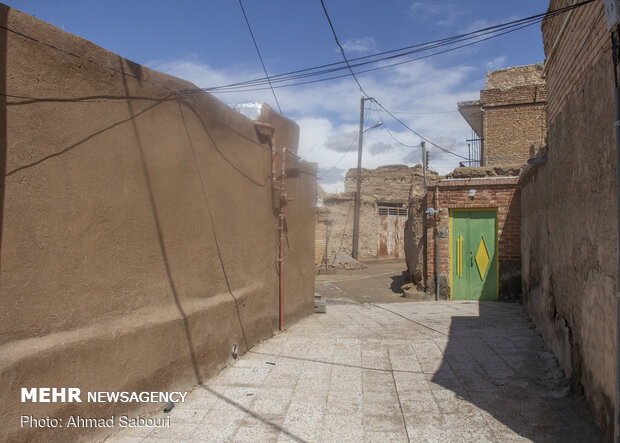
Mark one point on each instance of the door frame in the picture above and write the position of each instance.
(495, 209)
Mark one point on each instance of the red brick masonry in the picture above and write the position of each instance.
(502, 193)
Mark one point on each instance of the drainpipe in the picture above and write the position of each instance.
(282, 221)
(281, 215)
(437, 242)
(274, 138)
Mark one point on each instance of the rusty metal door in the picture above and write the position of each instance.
(392, 232)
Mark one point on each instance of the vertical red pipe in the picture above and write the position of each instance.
(282, 218)
(281, 215)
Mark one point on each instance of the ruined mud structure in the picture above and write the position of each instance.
(385, 232)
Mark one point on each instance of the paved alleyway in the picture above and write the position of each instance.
(379, 371)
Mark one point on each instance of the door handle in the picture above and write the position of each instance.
(471, 256)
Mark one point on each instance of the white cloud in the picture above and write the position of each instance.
(497, 63)
(341, 141)
(328, 113)
(360, 45)
(440, 13)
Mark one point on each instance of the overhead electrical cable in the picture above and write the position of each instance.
(283, 78)
(493, 31)
(342, 49)
(265, 80)
(260, 56)
(375, 100)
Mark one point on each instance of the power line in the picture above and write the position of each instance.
(342, 49)
(423, 113)
(375, 58)
(390, 132)
(448, 40)
(249, 88)
(260, 56)
(374, 100)
(420, 135)
(64, 51)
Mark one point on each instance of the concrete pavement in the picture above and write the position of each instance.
(377, 371)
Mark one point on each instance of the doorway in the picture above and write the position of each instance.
(473, 254)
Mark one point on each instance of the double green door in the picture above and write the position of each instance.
(473, 254)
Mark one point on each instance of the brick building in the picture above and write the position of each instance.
(477, 230)
(509, 118)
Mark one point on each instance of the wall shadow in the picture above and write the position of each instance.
(4, 11)
(510, 266)
(498, 363)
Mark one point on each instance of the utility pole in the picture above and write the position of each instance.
(424, 162)
(356, 213)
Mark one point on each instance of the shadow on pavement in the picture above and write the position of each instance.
(498, 363)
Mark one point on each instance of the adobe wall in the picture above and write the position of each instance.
(390, 183)
(501, 193)
(569, 208)
(341, 209)
(138, 228)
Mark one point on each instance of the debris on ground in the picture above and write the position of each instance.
(345, 261)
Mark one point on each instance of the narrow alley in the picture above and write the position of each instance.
(377, 367)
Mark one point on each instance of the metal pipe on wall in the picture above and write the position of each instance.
(437, 242)
(281, 215)
(282, 221)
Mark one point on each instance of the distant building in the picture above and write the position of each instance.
(385, 194)
(509, 118)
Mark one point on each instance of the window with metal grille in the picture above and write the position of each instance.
(383, 211)
(402, 212)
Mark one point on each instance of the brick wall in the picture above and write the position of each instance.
(515, 76)
(513, 108)
(569, 208)
(500, 193)
(571, 54)
(514, 119)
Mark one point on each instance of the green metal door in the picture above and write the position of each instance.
(473, 254)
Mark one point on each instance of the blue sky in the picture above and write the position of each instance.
(208, 43)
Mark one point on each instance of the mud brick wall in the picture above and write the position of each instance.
(321, 231)
(341, 209)
(500, 193)
(393, 184)
(387, 183)
(139, 233)
(569, 208)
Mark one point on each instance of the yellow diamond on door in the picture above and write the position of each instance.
(482, 258)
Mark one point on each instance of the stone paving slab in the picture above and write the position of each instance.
(423, 371)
